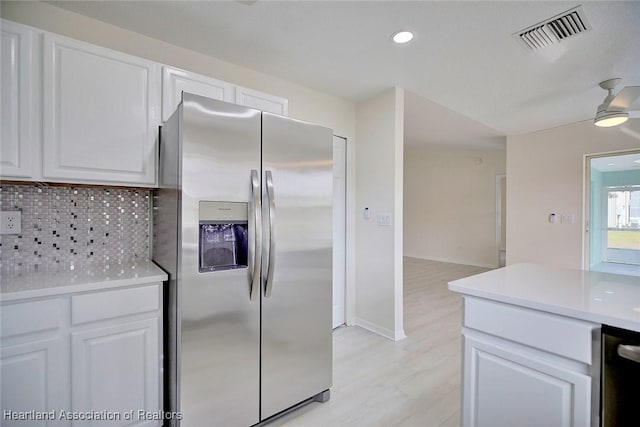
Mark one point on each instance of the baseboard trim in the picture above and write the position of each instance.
(452, 261)
(377, 329)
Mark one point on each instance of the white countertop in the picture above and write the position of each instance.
(604, 298)
(19, 286)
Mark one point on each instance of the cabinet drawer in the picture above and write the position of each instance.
(555, 334)
(34, 316)
(122, 302)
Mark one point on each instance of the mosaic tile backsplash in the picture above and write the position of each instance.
(68, 227)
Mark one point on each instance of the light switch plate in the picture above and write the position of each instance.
(384, 219)
(10, 222)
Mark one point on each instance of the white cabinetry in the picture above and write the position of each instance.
(508, 386)
(100, 114)
(85, 352)
(78, 113)
(176, 81)
(33, 356)
(262, 101)
(527, 368)
(19, 146)
(115, 351)
(112, 370)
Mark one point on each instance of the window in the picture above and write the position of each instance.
(623, 219)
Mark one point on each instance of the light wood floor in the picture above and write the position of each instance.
(413, 382)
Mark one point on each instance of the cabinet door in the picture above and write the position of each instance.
(512, 388)
(34, 360)
(117, 369)
(176, 81)
(33, 379)
(101, 114)
(262, 101)
(19, 146)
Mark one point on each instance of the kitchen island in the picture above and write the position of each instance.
(531, 342)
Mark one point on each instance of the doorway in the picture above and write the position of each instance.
(612, 235)
(501, 219)
(339, 229)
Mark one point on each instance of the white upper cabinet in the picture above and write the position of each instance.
(176, 81)
(101, 112)
(74, 112)
(262, 101)
(19, 146)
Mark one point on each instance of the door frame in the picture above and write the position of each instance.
(586, 205)
(344, 248)
(499, 214)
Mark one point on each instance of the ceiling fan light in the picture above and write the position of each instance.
(607, 119)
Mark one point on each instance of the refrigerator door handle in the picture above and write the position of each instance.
(255, 236)
(272, 241)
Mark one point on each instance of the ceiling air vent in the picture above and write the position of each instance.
(554, 30)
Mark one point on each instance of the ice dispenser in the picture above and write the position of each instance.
(223, 236)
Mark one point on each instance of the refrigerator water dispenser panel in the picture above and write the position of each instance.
(223, 240)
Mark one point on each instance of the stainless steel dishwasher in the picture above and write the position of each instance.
(620, 377)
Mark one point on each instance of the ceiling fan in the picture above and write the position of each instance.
(614, 110)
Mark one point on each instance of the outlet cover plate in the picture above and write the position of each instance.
(10, 222)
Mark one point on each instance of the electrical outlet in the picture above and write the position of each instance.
(10, 222)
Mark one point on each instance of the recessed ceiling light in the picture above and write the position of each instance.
(611, 164)
(402, 37)
(636, 161)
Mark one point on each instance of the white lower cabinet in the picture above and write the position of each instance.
(524, 368)
(33, 379)
(34, 368)
(112, 370)
(82, 356)
(508, 387)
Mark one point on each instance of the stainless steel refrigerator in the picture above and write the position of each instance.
(243, 226)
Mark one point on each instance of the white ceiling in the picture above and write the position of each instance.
(622, 162)
(463, 57)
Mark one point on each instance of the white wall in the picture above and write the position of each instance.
(379, 187)
(450, 204)
(304, 103)
(545, 172)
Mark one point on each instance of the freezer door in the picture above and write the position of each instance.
(297, 257)
(220, 323)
